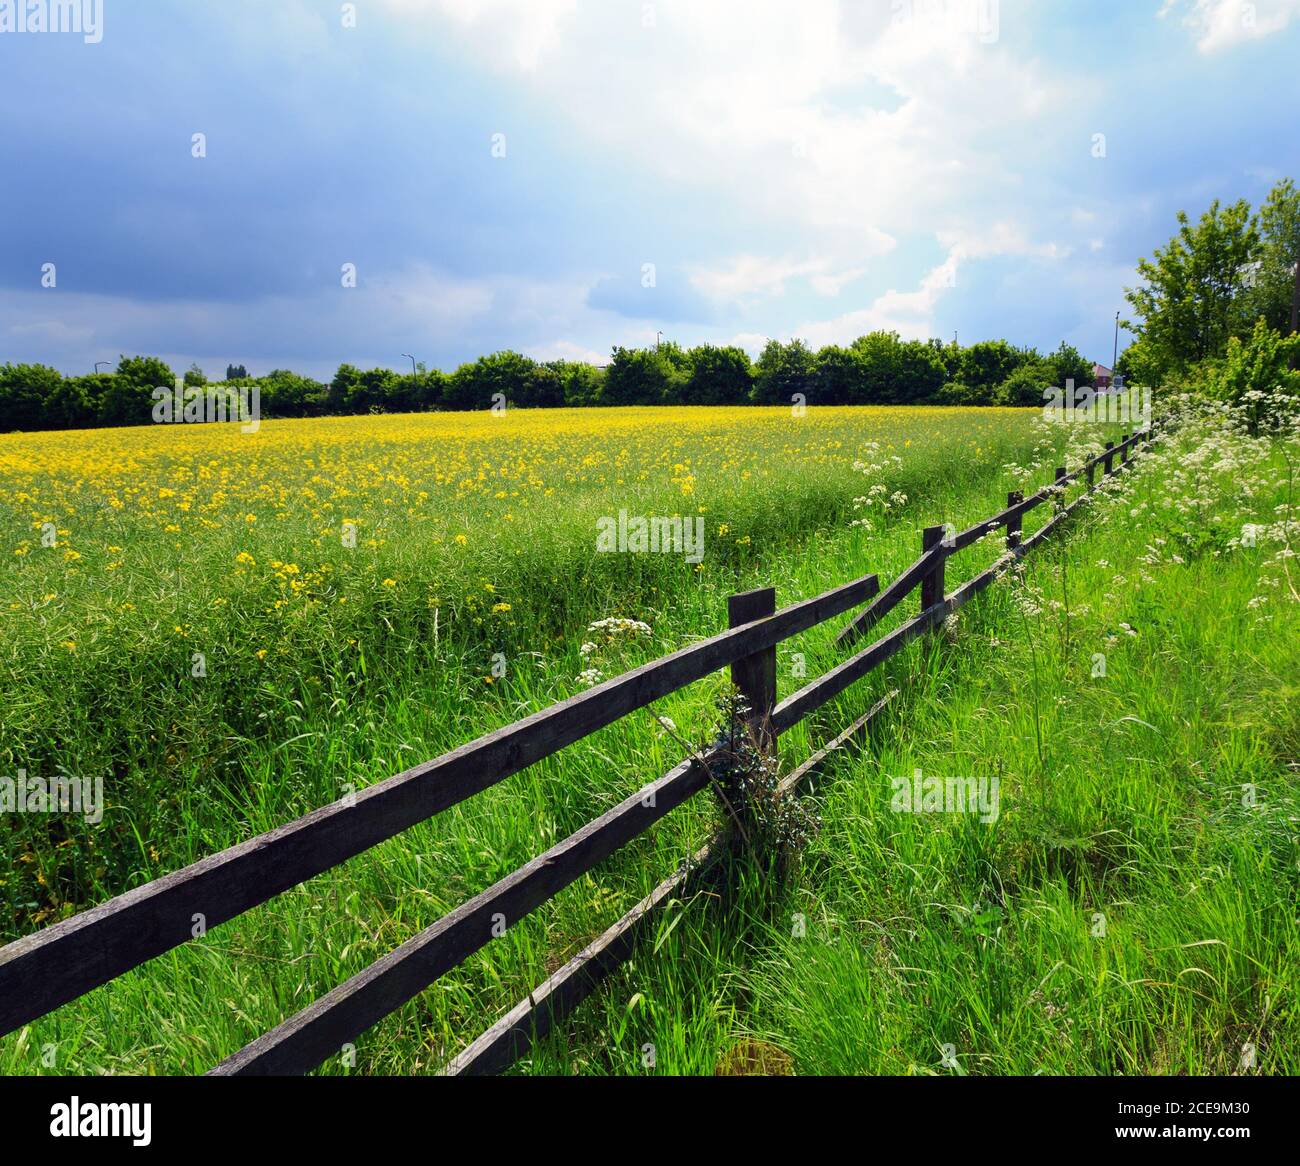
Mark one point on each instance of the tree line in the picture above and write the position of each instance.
(1217, 311)
(877, 369)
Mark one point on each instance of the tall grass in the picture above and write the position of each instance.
(1131, 911)
(915, 932)
(360, 679)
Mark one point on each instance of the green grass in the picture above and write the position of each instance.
(921, 931)
(1127, 914)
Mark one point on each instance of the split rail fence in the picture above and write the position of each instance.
(51, 967)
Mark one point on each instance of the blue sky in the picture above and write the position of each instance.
(812, 169)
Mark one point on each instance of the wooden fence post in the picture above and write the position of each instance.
(755, 676)
(1123, 457)
(1092, 474)
(932, 584)
(1109, 460)
(1060, 498)
(1014, 525)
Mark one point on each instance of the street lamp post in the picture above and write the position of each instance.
(99, 362)
(414, 371)
(1114, 360)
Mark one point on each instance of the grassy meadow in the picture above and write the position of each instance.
(1136, 690)
(233, 629)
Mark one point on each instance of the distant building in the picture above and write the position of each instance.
(1101, 377)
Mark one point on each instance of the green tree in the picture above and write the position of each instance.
(420, 391)
(839, 378)
(582, 384)
(1192, 296)
(893, 371)
(880, 360)
(921, 372)
(502, 376)
(987, 364)
(372, 391)
(1067, 364)
(75, 402)
(286, 394)
(1028, 385)
(1138, 365)
(1273, 289)
(343, 388)
(646, 376)
(24, 391)
(539, 386)
(783, 371)
(950, 355)
(718, 376)
(129, 400)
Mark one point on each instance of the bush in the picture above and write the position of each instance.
(1028, 385)
(1261, 364)
(959, 393)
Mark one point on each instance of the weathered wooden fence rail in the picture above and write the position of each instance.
(49, 968)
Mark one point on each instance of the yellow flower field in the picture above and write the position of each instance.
(164, 587)
(326, 510)
(188, 480)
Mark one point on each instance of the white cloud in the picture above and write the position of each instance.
(420, 293)
(566, 350)
(751, 342)
(1219, 24)
(746, 277)
(911, 314)
(775, 109)
(511, 33)
(1000, 238)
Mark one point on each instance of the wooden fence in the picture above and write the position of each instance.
(49, 968)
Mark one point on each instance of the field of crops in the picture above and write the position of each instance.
(299, 561)
(233, 629)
